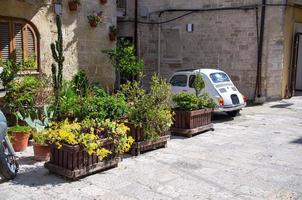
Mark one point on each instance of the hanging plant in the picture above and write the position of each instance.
(73, 5)
(112, 33)
(95, 19)
(103, 1)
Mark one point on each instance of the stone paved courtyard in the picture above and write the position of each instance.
(258, 155)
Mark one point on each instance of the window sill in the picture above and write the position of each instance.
(172, 60)
(29, 72)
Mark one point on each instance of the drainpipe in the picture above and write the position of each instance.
(159, 49)
(260, 51)
(135, 26)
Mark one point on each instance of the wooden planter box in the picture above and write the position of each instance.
(189, 123)
(74, 162)
(141, 145)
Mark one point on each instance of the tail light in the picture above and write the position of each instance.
(220, 101)
(244, 98)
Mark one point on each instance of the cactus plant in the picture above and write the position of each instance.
(57, 69)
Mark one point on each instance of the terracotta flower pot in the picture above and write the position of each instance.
(93, 23)
(20, 141)
(112, 36)
(73, 6)
(103, 1)
(41, 152)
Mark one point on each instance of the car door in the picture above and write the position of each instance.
(179, 83)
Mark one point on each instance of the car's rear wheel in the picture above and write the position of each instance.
(233, 113)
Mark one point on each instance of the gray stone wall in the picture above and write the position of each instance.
(221, 39)
(82, 44)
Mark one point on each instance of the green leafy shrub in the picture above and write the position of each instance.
(96, 104)
(18, 128)
(151, 111)
(80, 82)
(187, 101)
(29, 63)
(10, 70)
(123, 58)
(21, 95)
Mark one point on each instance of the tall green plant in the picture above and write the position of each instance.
(80, 81)
(198, 84)
(57, 69)
(150, 111)
(123, 58)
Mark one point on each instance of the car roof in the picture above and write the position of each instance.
(206, 71)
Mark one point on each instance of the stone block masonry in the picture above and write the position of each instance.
(221, 39)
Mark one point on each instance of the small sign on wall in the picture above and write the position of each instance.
(58, 8)
(190, 28)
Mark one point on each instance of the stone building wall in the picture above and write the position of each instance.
(221, 39)
(83, 45)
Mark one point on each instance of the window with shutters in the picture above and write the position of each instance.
(18, 42)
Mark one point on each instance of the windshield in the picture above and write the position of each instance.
(219, 77)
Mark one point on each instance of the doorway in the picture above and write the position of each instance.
(298, 74)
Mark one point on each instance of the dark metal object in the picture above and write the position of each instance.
(135, 26)
(260, 50)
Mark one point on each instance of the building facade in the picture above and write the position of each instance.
(27, 28)
(225, 34)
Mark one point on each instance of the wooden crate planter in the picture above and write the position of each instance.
(189, 123)
(141, 145)
(74, 162)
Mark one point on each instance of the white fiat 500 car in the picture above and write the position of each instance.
(217, 84)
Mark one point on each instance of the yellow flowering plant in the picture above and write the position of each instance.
(91, 134)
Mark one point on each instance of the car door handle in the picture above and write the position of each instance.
(185, 90)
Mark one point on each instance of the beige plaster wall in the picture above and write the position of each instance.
(83, 45)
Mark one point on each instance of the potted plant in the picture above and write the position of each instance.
(103, 1)
(193, 111)
(19, 136)
(40, 136)
(150, 116)
(95, 19)
(79, 149)
(73, 4)
(112, 33)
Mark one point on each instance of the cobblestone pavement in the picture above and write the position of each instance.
(257, 155)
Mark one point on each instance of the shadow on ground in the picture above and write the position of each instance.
(37, 176)
(282, 105)
(33, 174)
(297, 141)
(177, 137)
(221, 117)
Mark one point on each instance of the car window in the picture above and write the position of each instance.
(179, 80)
(219, 77)
(191, 81)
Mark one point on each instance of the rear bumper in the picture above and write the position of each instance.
(229, 108)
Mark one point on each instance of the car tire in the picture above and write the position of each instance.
(5, 170)
(233, 113)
